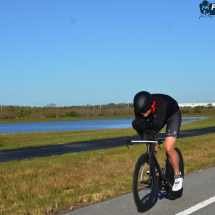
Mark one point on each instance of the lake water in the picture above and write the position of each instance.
(75, 125)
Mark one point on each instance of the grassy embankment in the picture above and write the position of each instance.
(20, 140)
(91, 118)
(40, 185)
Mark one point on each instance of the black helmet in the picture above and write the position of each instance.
(142, 101)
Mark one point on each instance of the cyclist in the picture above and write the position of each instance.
(153, 112)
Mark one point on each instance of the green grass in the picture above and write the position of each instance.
(21, 140)
(69, 181)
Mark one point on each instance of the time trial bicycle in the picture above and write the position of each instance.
(144, 184)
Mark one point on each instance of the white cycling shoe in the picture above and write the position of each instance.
(177, 183)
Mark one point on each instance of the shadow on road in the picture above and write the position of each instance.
(159, 195)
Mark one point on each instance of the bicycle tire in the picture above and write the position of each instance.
(170, 174)
(144, 191)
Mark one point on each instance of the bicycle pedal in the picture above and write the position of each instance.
(163, 171)
(145, 182)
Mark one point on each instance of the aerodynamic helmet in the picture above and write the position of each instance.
(142, 101)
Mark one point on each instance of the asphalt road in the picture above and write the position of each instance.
(59, 149)
(198, 187)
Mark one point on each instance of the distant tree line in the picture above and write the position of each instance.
(51, 111)
(198, 109)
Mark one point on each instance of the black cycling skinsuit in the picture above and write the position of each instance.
(165, 111)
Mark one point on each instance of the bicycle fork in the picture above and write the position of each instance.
(149, 150)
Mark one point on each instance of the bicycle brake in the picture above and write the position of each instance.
(127, 142)
(159, 143)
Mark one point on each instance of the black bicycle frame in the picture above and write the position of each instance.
(153, 158)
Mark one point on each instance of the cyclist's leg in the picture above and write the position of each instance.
(172, 131)
(173, 155)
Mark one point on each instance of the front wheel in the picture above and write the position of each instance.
(143, 186)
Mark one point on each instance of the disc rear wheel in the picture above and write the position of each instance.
(174, 194)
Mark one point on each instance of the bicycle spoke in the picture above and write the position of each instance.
(142, 172)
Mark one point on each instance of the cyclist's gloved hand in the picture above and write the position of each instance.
(140, 125)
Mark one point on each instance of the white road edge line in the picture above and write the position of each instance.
(197, 207)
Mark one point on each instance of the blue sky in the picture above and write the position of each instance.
(78, 52)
